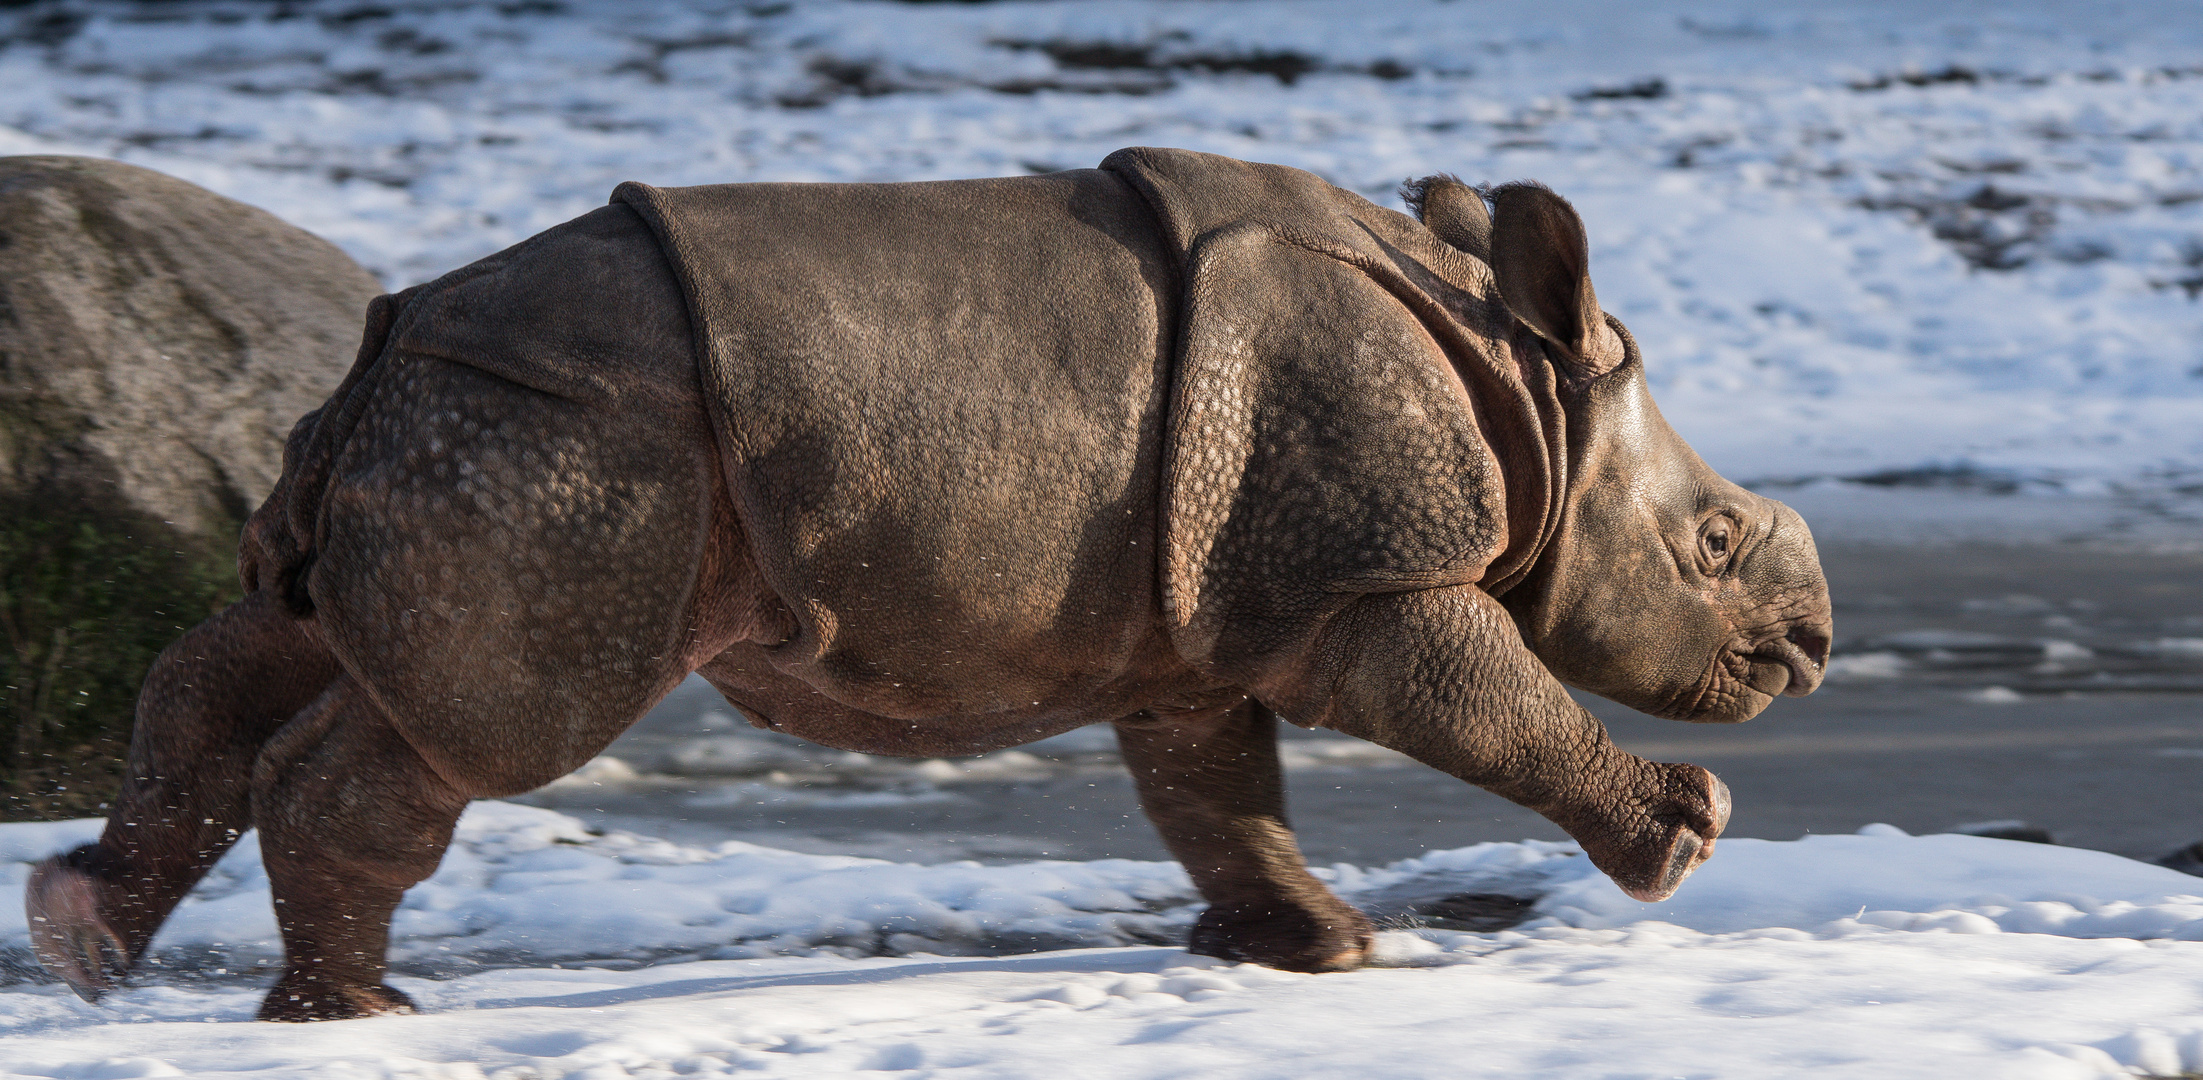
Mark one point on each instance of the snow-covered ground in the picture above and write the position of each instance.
(1877, 955)
(1956, 243)
(1936, 250)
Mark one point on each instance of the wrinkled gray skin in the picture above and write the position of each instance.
(1185, 444)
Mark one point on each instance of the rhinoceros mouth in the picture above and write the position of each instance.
(1787, 665)
(1746, 676)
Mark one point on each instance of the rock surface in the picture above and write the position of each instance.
(157, 340)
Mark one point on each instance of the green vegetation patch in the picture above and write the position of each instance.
(89, 596)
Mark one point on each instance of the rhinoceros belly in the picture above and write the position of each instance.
(939, 407)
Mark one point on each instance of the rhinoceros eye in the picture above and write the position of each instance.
(1715, 538)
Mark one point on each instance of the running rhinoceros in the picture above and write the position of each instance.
(1182, 443)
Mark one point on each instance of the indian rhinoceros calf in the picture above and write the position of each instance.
(1182, 443)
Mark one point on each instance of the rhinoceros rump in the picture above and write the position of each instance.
(1182, 443)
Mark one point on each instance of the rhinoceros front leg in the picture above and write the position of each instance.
(1443, 676)
(1209, 780)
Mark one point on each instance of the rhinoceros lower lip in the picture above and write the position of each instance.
(1781, 667)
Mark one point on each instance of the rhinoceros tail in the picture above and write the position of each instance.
(278, 543)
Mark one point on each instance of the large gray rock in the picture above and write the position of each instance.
(157, 340)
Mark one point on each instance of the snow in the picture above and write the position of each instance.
(1878, 954)
(1930, 274)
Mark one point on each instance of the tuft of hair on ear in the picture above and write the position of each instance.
(1416, 192)
(1453, 211)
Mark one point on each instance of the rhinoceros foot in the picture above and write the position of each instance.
(1305, 936)
(1651, 857)
(74, 940)
(299, 997)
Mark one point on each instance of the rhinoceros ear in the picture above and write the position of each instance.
(1453, 211)
(1543, 264)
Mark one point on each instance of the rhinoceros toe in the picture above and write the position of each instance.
(299, 998)
(74, 941)
(1289, 936)
(1650, 855)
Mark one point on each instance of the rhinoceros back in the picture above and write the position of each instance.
(940, 410)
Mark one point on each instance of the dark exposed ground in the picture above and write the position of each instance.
(2079, 751)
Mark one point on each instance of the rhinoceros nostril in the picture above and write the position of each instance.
(1812, 641)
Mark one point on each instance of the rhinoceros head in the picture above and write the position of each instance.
(1666, 587)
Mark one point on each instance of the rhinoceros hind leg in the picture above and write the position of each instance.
(1210, 781)
(350, 818)
(207, 705)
